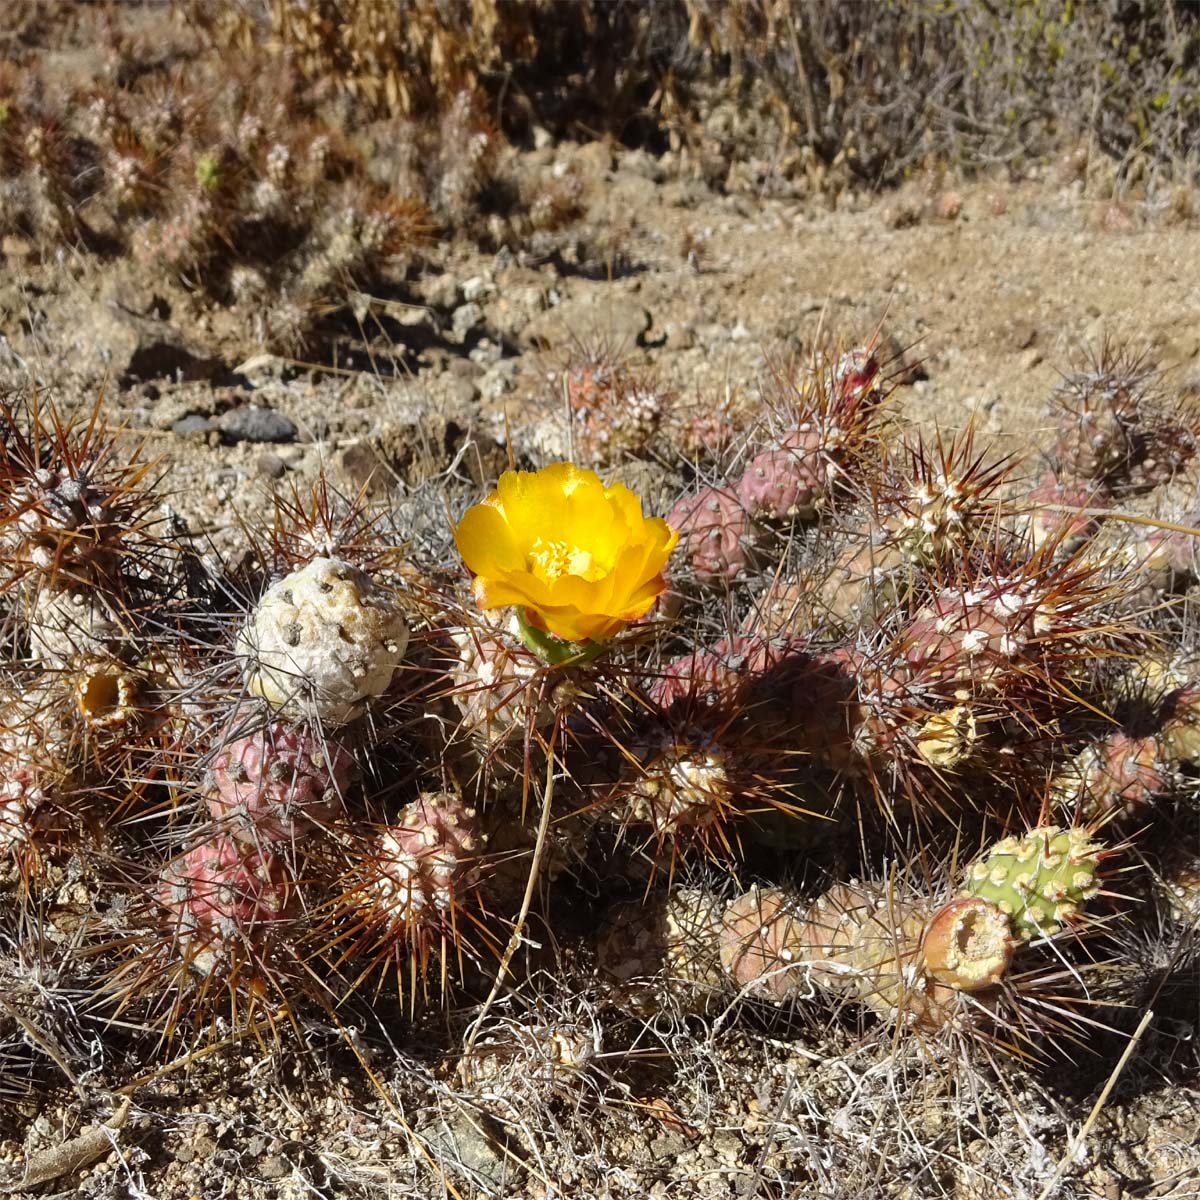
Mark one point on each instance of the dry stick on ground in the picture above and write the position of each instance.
(70, 1156)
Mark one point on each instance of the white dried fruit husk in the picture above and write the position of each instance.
(946, 738)
(323, 641)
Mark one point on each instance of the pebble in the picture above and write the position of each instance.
(273, 1167)
(192, 423)
(680, 337)
(478, 287)
(271, 466)
(466, 317)
(500, 378)
(254, 424)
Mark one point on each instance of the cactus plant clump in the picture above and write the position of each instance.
(1041, 880)
(323, 641)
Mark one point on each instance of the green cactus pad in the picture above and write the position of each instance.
(1040, 880)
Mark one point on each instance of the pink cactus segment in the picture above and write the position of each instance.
(420, 866)
(974, 635)
(786, 480)
(222, 895)
(708, 676)
(277, 783)
(1049, 523)
(1123, 773)
(715, 533)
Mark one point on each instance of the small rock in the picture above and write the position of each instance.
(638, 162)
(463, 390)
(440, 291)
(1031, 358)
(262, 366)
(593, 316)
(271, 466)
(680, 337)
(478, 287)
(476, 1146)
(137, 348)
(273, 1167)
(500, 378)
(254, 424)
(466, 317)
(193, 423)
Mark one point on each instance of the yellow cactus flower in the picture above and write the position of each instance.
(578, 559)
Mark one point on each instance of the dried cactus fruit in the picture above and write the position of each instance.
(1040, 880)
(277, 783)
(227, 901)
(107, 695)
(949, 738)
(323, 641)
(968, 944)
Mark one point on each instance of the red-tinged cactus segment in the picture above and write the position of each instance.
(994, 631)
(859, 941)
(277, 783)
(787, 480)
(408, 893)
(716, 534)
(1052, 519)
(1119, 774)
(824, 416)
(1179, 735)
(227, 902)
(763, 944)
